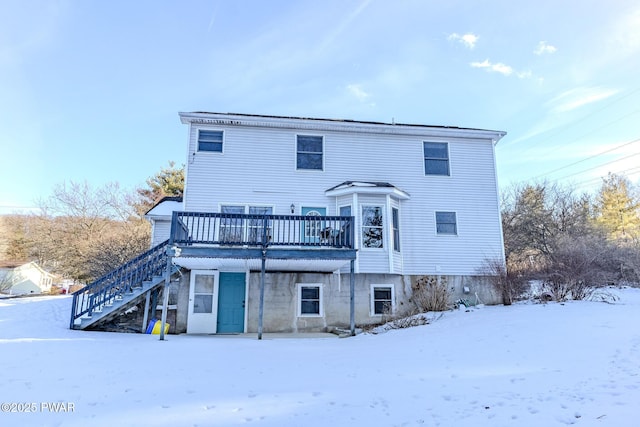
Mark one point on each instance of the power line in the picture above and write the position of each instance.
(587, 158)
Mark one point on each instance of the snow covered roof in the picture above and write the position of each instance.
(165, 207)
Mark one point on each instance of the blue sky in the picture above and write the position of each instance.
(91, 90)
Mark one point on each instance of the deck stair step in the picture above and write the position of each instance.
(119, 289)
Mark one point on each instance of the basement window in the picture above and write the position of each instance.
(382, 300)
(310, 300)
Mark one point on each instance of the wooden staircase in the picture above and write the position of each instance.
(120, 289)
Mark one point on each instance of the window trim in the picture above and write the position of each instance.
(309, 152)
(424, 158)
(382, 208)
(372, 306)
(455, 233)
(320, 298)
(198, 150)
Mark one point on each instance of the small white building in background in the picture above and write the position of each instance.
(24, 278)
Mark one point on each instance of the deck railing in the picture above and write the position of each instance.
(122, 280)
(188, 228)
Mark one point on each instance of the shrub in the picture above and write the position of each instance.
(509, 284)
(430, 293)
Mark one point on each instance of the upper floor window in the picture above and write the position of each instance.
(210, 140)
(309, 152)
(446, 223)
(436, 158)
(372, 227)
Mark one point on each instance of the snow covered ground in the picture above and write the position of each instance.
(538, 365)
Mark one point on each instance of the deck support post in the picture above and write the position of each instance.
(145, 319)
(261, 310)
(352, 303)
(165, 292)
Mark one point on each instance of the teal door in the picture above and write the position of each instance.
(311, 229)
(231, 303)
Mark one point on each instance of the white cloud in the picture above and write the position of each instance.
(357, 91)
(504, 69)
(576, 98)
(469, 39)
(544, 47)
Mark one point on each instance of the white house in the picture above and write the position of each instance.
(24, 278)
(293, 224)
(424, 201)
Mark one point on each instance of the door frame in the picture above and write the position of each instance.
(214, 302)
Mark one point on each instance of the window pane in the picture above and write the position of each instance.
(372, 216)
(310, 293)
(396, 229)
(372, 227)
(345, 210)
(436, 150)
(310, 143)
(256, 224)
(231, 229)
(204, 284)
(310, 307)
(309, 161)
(203, 303)
(382, 293)
(446, 217)
(260, 210)
(372, 237)
(210, 140)
(436, 167)
(381, 307)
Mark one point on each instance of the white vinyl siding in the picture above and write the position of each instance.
(259, 167)
(161, 231)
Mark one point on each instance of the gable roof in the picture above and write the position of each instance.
(165, 206)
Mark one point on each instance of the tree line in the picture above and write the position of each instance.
(570, 243)
(82, 232)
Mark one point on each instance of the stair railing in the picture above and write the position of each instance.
(114, 285)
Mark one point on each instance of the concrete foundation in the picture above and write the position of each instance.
(281, 302)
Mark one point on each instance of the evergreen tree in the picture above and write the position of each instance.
(617, 210)
(168, 182)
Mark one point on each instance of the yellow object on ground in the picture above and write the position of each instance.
(156, 328)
